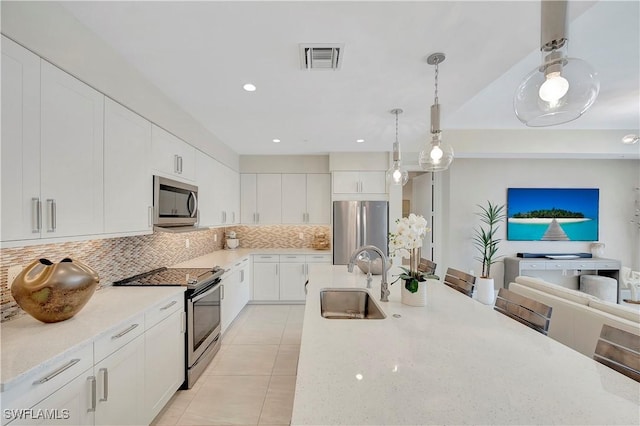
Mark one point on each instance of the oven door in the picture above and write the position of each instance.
(203, 318)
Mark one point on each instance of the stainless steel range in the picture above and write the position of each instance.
(202, 306)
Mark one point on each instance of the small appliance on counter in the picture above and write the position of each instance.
(232, 242)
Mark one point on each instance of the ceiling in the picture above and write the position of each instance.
(201, 53)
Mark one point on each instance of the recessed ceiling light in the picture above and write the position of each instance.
(276, 141)
(359, 140)
(249, 87)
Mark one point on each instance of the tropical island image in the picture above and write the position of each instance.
(536, 214)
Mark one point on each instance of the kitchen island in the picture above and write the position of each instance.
(455, 361)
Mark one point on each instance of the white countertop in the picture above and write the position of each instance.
(226, 258)
(455, 361)
(30, 346)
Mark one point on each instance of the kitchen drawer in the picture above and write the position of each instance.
(49, 377)
(117, 337)
(292, 258)
(584, 264)
(319, 258)
(266, 258)
(559, 265)
(240, 263)
(532, 266)
(163, 310)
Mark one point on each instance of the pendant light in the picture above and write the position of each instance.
(397, 175)
(561, 89)
(436, 156)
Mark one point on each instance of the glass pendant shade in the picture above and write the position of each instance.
(436, 156)
(547, 98)
(397, 175)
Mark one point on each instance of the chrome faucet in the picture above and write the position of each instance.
(384, 285)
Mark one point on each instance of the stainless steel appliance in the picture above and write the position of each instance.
(356, 224)
(202, 307)
(174, 203)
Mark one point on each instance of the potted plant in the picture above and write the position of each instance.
(406, 242)
(486, 243)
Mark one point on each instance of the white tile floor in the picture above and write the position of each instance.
(251, 381)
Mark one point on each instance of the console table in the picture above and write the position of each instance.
(514, 266)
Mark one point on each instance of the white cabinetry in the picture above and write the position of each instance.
(128, 199)
(306, 198)
(359, 182)
(261, 198)
(292, 277)
(172, 156)
(219, 192)
(236, 292)
(72, 128)
(206, 181)
(164, 355)
(20, 143)
(266, 277)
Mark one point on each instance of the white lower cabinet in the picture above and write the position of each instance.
(236, 292)
(164, 352)
(120, 385)
(283, 277)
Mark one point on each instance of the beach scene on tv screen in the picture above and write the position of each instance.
(554, 214)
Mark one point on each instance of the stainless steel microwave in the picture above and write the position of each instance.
(174, 203)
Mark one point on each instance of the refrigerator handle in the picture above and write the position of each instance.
(364, 225)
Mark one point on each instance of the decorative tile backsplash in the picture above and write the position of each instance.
(117, 258)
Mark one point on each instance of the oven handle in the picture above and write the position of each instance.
(205, 293)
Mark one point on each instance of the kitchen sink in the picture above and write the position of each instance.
(348, 303)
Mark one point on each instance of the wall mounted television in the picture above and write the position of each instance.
(552, 214)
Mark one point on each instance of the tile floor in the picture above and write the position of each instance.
(251, 381)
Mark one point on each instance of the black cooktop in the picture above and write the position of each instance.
(190, 277)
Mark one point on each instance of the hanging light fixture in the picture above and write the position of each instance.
(397, 175)
(562, 88)
(436, 156)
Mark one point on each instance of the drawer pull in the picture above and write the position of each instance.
(58, 371)
(123, 332)
(169, 305)
(105, 384)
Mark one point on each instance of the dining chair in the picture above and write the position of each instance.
(620, 350)
(426, 266)
(523, 309)
(460, 281)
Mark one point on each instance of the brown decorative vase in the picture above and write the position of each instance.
(54, 292)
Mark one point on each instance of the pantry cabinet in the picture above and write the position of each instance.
(127, 171)
(306, 198)
(261, 198)
(171, 156)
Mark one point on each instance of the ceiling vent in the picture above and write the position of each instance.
(318, 56)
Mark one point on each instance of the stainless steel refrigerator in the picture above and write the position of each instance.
(357, 224)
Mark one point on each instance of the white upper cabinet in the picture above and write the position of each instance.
(261, 198)
(71, 152)
(231, 195)
(172, 156)
(359, 182)
(208, 209)
(306, 198)
(20, 143)
(128, 180)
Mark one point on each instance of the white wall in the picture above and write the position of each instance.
(474, 181)
(47, 29)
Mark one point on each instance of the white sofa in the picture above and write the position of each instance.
(576, 317)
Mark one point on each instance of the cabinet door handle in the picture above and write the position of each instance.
(52, 214)
(180, 163)
(242, 276)
(105, 384)
(92, 399)
(258, 215)
(36, 217)
(277, 267)
(222, 292)
(56, 372)
(168, 305)
(176, 163)
(233, 217)
(125, 331)
(150, 216)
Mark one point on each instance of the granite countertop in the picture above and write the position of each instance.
(30, 346)
(455, 361)
(226, 258)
